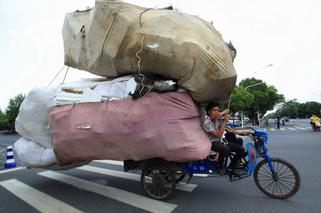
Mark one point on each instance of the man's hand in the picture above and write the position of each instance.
(224, 112)
(225, 118)
(245, 133)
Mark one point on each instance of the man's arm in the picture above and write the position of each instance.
(237, 132)
(219, 133)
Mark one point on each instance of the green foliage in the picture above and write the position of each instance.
(3, 121)
(241, 99)
(13, 110)
(260, 97)
(294, 109)
(289, 109)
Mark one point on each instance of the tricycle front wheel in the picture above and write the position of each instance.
(281, 184)
(158, 181)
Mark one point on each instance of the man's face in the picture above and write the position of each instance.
(214, 112)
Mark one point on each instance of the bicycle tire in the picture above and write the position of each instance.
(286, 176)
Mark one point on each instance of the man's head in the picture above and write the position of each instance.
(213, 110)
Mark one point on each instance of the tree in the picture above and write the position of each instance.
(3, 121)
(13, 110)
(305, 110)
(293, 109)
(241, 99)
(312, 107)
(289, 109)
(265, 97)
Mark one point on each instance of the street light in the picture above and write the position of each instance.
(258, 114)
(253, 85)
(266, 66)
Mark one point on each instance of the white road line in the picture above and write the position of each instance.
(282, 129)
(291, 128)
(39, 200)
(301, 128)
(12, 170)
(114, 162)
(123, 196)
(131, 176)
(272, 129)
(200, 175)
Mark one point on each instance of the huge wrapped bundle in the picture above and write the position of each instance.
(163, 126)
(107, 39)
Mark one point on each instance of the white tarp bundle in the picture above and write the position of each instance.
(32, 154)
(109, 39)
(32, 120)
(34, 149)
(95, 90)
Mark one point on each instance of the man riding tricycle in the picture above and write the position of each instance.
(275, 177)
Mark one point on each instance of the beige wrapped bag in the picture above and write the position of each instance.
(107, 39)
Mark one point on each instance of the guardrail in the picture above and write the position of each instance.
(8, 132)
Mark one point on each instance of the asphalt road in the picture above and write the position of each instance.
(98, 190)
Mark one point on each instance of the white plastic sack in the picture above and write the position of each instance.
(32, 120)
(32, 154)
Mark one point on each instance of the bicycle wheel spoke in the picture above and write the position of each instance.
(275, 167)
(266, 182)
(275, 188)
(285, 186)
(288, 176)
(279, 187)
(264, 178)
(288, 182)
(268, 186)
(161, 191)
(158, 193)
(284, 171)
(266, 168)
(265, 175)
(152, 188)
(280, 169)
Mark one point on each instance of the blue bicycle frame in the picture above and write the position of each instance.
(261, 138)
(259, 148)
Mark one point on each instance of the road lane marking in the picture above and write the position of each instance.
(12, 170)
(37, 199)
(272, 129)
(291, 128)
(114, 162)
(301, 128)
(200, 175)
(131, 176)
(123, 196)
(282, 129)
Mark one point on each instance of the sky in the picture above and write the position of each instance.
(278, 42)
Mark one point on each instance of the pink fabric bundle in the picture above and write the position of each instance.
(163, 125)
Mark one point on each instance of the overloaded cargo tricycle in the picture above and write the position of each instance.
(275, 177)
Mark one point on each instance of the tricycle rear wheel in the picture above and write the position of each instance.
(158, 181)
(281, 184)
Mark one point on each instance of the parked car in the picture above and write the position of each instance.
(233, 123)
